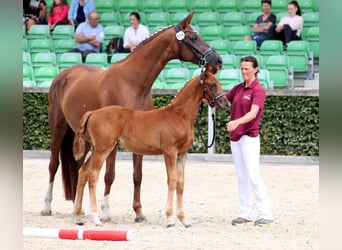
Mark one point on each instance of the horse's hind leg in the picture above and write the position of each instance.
(57, 134)
(137, 178)
(108, 179)
(181, 160)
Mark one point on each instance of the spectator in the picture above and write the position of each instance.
(248, 100)
(37, 16)
(290, 27)
(89, 36)
(79, 10)
(58, 14)
(135, 33)
(263, 28)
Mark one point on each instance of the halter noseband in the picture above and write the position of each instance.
(180, 35)
(205, 92)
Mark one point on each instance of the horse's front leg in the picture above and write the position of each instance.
(108, 179)
(170, 162)
(181, 161)
(137, 178)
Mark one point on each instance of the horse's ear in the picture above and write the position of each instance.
(186, 21)
(211, 69)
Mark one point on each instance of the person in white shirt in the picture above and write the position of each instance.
(136, 33)
(291, 26)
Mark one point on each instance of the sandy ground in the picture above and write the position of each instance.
(210, 202)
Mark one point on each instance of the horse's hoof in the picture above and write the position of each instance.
(187, 225)
(140, 219)
(46, 213)
(170, 225)
(80, 223)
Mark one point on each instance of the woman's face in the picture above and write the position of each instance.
(133, 21)
(292, 9)
(266, 8)
(247, 71)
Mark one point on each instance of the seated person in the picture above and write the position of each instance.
(291, 26)
(37, 16)
(263, 28)
(136, 33)
(58, 14)
(89, 36)
(79, 10)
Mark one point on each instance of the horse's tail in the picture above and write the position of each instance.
(79, 141)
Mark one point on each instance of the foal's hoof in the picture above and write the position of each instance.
(140, 219)
(80, 223)
(46, 213)
(171, 225)
(187, 225)
(105, 219)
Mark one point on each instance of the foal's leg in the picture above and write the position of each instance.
(170, 162)
(82, 179)
(57, 134)
(108, 179)
(137, 178)
(181, 160)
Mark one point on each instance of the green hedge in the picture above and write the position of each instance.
(290, 125)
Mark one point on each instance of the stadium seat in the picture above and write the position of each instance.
(63, 32)
(157, 19)
(104, 6)
(27, 58)
(112, 31)
(201, 6)
(307, 5)
(44, 59)
(280, 72)
(227, 5)
(229, 61)
(248, 6)
(206, 18)
(271, 47)
(264, 78)
(39, 31)
(158, 84)
(237, 33)
(40, 45)
(97, 59)
(174, 63)
(213, 32)
(117, 57)
(175, 76)
(63, 45)
(69, 59)
(24, 31)
(222, 46)
(177, 17)
(29, 83)
(149, 6)
(251, 17)
(25, 44)
(312, 36)
(233, 18)
(177, 6)
(260, 59)
(27, 72)
(196, 72)
(279, 6)
(280, 14)
(244, 48)
(229, 76)
(45, 73)
(110, 18)
(44, 83)
(311, 19)
(298, 53)
(129, 5)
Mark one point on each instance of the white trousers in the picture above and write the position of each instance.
(246, 157)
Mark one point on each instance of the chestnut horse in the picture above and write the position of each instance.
(81, 88)
(168, 131)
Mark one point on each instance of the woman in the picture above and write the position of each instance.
(136, 33)
(290, 27)
(58, 14)
(263, 28)
(247, 100)
(39, 16)
(79, 10)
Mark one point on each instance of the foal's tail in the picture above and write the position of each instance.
(79, 141)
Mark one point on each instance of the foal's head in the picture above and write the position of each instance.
(212, 91)
(193, 48)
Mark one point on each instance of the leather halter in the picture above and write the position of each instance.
(212, 99)
(180, 35)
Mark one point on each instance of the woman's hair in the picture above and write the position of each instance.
(295, 3)
(251, 59)
(266, 1)
(136, 14)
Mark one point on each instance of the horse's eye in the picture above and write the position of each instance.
(213, 86)
(194, 38)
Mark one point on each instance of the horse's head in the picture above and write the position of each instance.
(212, 90)
(193, 48)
